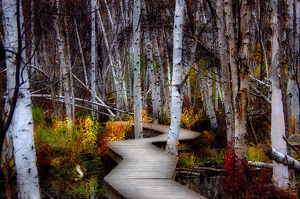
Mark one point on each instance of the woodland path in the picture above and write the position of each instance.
(145, 170)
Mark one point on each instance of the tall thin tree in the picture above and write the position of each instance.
(176, 103)
(21, 123)
(138, 129)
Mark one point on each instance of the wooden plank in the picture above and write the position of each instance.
(144, 170)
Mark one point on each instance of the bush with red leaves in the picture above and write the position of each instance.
(240, 181)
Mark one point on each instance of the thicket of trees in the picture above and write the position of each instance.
(229, 58)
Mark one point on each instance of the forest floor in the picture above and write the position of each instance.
(206, 168)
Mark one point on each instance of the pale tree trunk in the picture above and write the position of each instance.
(115, 78)
(81, 53)
(63, 65)
(194, 45)
(116, 68)
(118, 65)
(168, 84)
(207, 97)
(288, 81)
(202, 85)
(242, 86)
(176, 104)
(218, 94)
(93, 57)
(149, 50)
(165, 76)
(292, 88)
(21, 126)
(69, 75)
(280, 172)
(138, 130)
(158, 76)
(33, 59)
(233, 65)
(150, 62)
(52, 73)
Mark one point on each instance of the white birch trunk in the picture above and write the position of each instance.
(138, 130)
(118, 65)
(158, 76)
(217, 89)
(241, 97)
(232, 60)
(150, 62)
(149, 50)
(63, 65)
(292, 88)
(70, 88)
(207, 97)
(93, 56)
(280, 172)
(21, 127)
(116, 68)
(226, 88)
(168, 79)
(81, 53)
(176, 104)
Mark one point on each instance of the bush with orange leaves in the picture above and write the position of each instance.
(114, 131)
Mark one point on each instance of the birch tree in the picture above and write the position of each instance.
(239, 64)
(64, 79)
(138, 130)
(292, 33)
(93, 56)
(150, 63)
(241, 87)
(20, 128)
(81, 53)
(117, 66)
(280, 172)
(232, 48)
(176, 104)
(225, 67)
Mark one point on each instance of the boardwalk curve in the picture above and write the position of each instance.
(144, 170)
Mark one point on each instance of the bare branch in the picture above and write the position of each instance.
(260, 94)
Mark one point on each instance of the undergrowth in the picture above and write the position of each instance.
(240, 181)
(255, 153)
(62, 145)
(114, 131)
(190, 117)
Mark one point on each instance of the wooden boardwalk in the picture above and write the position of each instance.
(144, 170)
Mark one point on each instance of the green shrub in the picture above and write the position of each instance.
(38, 115)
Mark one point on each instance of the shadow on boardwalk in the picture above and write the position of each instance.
(144, 170)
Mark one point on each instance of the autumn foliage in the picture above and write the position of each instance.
(114, 131)
(241, 181)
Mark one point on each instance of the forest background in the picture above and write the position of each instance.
(232, 66)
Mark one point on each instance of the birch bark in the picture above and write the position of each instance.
(176, 104)
(118, 65)
(21, 127)
(81, 53)
(233, 64)
(93, 56)
(150, 63)
(241, 97)
(280, 172)
(207, 98)
(292, 87)
(138, 129)
(63, 65)
(281, 158)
